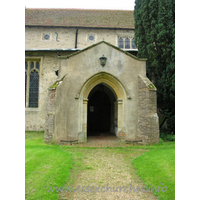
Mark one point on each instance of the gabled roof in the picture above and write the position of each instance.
(78, 52)
(80, 18)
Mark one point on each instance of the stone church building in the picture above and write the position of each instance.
(82, 77)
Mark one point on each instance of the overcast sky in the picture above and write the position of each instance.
(85, 4)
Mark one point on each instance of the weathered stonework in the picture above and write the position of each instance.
(134, 96)
(148, 125)
(49, 119)
(49, 63)
(121, 135)
(69, 53)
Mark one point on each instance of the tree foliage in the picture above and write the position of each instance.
(155, 40)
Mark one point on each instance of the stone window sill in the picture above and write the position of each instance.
(32, 109)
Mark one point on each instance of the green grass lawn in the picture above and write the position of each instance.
(158, 166)
(45, 166)
(50, 165)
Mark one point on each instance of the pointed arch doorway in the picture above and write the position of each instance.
(116, 93)
(102, 111)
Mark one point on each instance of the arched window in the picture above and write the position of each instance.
(33, 89)
(120, 42)
(32, 83)
(133, 44)
(127, 43)
(37, 65)
(31, 65)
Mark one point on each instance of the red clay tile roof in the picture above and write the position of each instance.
(80, 18)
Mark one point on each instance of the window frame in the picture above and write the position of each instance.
(94, 35)
(120, 42)
(34, 91)
(133, 41)
(127, 43)
(28, 74)
(125, 38)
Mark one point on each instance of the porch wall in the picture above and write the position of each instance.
(148, 123)
(49, 119)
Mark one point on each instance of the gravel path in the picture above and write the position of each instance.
(107, 173)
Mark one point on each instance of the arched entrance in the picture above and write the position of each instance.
(117, 96)
(102, 112)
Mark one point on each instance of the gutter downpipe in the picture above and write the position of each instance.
(76, 38)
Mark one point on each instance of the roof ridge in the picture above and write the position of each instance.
(84, 9)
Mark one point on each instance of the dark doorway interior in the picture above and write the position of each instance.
(99, 112)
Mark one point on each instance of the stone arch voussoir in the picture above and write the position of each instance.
(109, 80)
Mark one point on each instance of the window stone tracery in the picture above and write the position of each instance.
(126, 42)
(32, 68)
